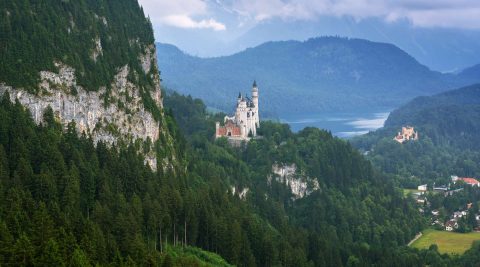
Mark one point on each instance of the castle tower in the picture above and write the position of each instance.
(255, 103)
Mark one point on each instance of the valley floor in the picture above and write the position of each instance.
(447, 242)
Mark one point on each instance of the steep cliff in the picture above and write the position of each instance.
(299, 183)
(82, 59)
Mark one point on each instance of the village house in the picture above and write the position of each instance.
(422, 187)
(451, 192)
(467, 180)
(441, 188)
(459, 214)
(451, 225)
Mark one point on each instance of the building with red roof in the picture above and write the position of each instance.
(467, 180)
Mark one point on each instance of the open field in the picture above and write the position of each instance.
(447, 242)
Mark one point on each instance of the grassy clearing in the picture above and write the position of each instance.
(407, 192)
(447, 242)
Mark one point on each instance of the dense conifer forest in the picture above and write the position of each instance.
(67, 201)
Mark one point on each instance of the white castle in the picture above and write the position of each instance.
(244, 124)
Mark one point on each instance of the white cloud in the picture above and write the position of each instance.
(190, 14)
(421, 13)
(201, 14)
(183, 21)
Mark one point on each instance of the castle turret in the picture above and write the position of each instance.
(255, 103)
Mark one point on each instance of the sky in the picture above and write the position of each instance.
(221, 27)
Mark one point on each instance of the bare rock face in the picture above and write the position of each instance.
(97, 51)
(242, 194)
(300, 184)
(125, 118)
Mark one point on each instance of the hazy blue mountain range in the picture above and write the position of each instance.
(440, 49)
(471, 73)
(318, 75)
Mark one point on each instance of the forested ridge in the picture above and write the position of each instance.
(315, 76)
(36, 34)
(449, 130)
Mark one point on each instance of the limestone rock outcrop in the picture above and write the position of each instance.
(299, 184)
(124, 117)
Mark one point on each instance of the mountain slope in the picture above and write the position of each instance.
(82, 59)
(322, 74)
(471, 72)
(439, 48)
(452, 117)
(448, 125)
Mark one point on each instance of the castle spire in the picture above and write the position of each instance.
(239, 95)
(254, 83)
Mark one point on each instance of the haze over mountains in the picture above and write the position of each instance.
(318, 75)
(441, 49)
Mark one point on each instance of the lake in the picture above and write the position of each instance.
(343, 125)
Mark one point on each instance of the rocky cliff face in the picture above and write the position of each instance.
(122, 117)
(300, 184)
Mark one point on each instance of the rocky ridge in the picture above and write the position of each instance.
(123, 118)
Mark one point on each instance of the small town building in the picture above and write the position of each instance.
(467, 180)
(451, 225)
(459, 214)
(441, 188)
(422, 187)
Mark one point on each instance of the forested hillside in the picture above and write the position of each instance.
(83, 198)
(317, 75)
(471, 72)
(34, 34)
(66, 202)
(93, 62)
(79, 203)
(343, 223)
(449, 130)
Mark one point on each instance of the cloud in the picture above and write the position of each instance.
(183, 21)
(421, 13)
(187, 14)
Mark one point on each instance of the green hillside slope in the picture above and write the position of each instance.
(317, 75)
